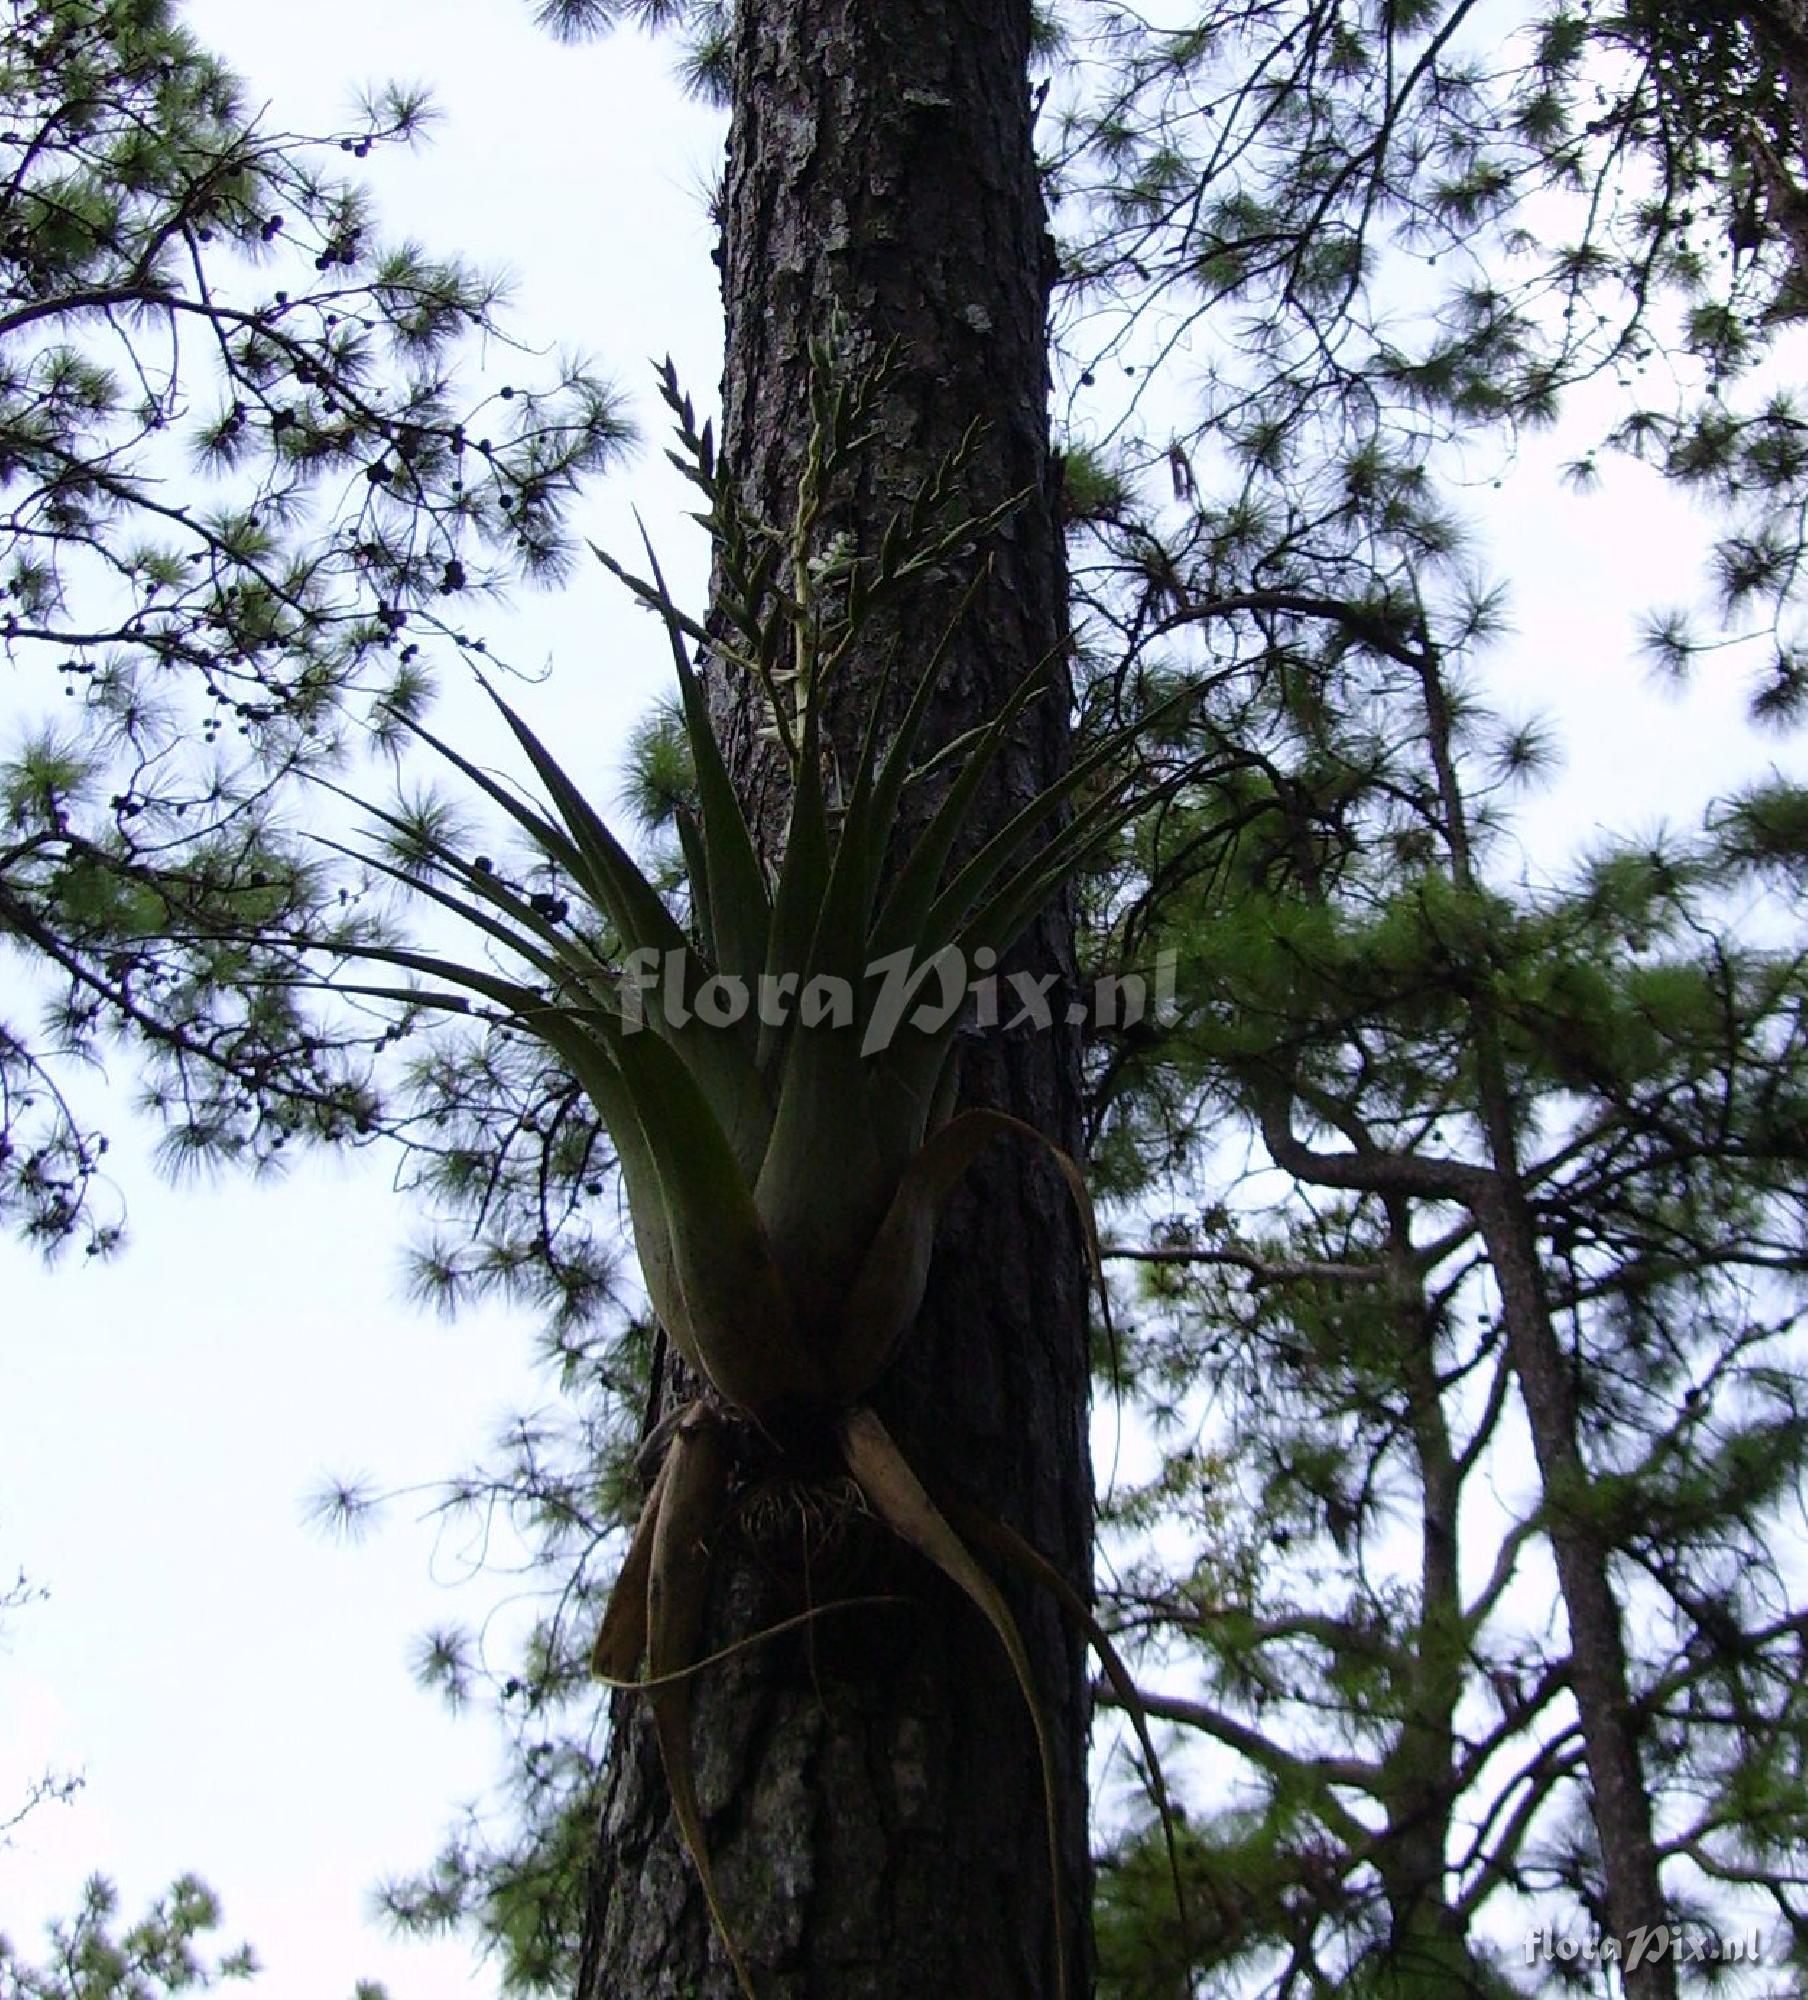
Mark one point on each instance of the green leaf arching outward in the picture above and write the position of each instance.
(881, 1305)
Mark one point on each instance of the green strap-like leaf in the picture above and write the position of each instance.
(720, 1058)
(884, 1300)
(740, 903)
(949, 910)
(565, 961)
(549, 838)
(838, 947)
(608, 871)
(515, 1000)
(581, 1038)
(590, 1050)
(736, 1312)
(696, 870)
(803, 879)
(895, 771)
(1004, 917)
(914, 892)
(824, 1183)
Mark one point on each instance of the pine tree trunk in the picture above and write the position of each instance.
(1429, 1950)
(1600, 1676)
(871, 1787)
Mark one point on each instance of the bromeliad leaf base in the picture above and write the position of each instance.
(784, 1176)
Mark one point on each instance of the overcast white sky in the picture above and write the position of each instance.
(236, 1691)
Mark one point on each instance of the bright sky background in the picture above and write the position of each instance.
(236, 1690)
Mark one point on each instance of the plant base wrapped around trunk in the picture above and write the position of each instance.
(785, 1164)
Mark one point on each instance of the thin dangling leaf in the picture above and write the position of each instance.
(621, 1640)
(883, 1302)
(687, 1112)
(1004, 1541)
(677, 1602)
(581, 1039)
(589, 1045)
(628, 1684)
(577, 1041)
(400, 996)
(579, 1035)
(896, 1495)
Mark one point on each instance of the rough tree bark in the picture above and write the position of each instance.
(871, 1787)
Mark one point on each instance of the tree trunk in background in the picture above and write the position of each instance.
(1600, 1677)
(871, 1787)
(1430, 1949)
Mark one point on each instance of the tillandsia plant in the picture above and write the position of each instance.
(784, 1166)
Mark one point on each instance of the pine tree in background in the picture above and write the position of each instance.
(244, 504)
(48, 1787)
(1469, 1210)
(1289, 546)
(90, 1959)
(161, 1954)
(1406, 1718)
